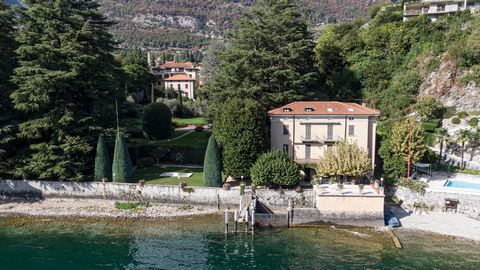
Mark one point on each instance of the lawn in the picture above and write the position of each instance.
(152, 176)
(193, 139)
(197, 121)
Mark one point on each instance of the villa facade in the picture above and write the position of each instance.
(306, 129)
(181, 82)
(178, 75)
(435, 8)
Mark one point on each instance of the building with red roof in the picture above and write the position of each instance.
(306, 129)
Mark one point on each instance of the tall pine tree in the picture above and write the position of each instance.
(65, 85)
(7, 64)
(269, 58)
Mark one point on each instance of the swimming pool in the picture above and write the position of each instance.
(460, 184)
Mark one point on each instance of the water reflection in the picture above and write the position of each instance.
(201, 244)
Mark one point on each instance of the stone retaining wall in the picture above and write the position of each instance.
(468, 203)
(117, 191)
(305, 198)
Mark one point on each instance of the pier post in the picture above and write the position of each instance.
(246, 220)
(253, 221)
(226, 221)
(235, 220)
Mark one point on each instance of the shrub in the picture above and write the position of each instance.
(122, 164)
(344, 159)
(417, 186)
(430, 108)
(131, 205)
(473, 122)
(145, 162)
(449, 112)
(212, 166)
(275, 167)
(431, 125)
(157, 121)
(455, 120)
(462, 115)
(103, 166)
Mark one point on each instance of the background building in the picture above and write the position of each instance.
(435, 8)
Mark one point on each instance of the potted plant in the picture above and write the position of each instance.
(298, 189)
(226, 186)
(340, 188)
(141, 183)
(182, 185)
(376, 184)
(360, 189)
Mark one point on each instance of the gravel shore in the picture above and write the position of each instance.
(445, 223)
(95, 208)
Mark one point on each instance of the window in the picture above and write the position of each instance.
(330, 132)
(308, 132)
(351, 130)
(351, 118)
(308, 151)
(285, 130)
(308, 109)
(285, 148)
(287, 109)
(186, 86)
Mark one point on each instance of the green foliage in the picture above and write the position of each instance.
(240, 129)
(430, 125)
(212, 166)
(456, 120)
(65, 87)
(157, 121)
(269, 57)
(449, 112)
(429, 108)
(473, 122)
(8, 127)
(188, 190)
(394, 148)
(122, 164)
(275, 167)
(417, 186)
(462, 115)
(344, 159)
(131, 205)
(136, 78)
(103, 166)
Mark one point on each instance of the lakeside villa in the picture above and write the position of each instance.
(306, 129)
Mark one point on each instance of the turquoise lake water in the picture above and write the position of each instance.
(200, 244)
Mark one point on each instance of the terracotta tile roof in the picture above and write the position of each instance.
(179, 77)
(173, 64)
(323, 108)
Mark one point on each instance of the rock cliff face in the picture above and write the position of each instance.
(445, 84)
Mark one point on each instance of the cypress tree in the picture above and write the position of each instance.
(103, 166)
(65, 86)
(122, 164)
(212, 166)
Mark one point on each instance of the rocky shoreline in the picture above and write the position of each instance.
(97, 208)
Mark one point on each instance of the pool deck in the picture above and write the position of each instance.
(437, 184)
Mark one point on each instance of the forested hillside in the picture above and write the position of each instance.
(189, 23)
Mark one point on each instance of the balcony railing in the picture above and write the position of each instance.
(312, 139)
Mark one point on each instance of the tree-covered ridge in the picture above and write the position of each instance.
(189, 23)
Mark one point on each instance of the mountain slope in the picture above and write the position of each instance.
(189, 23)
